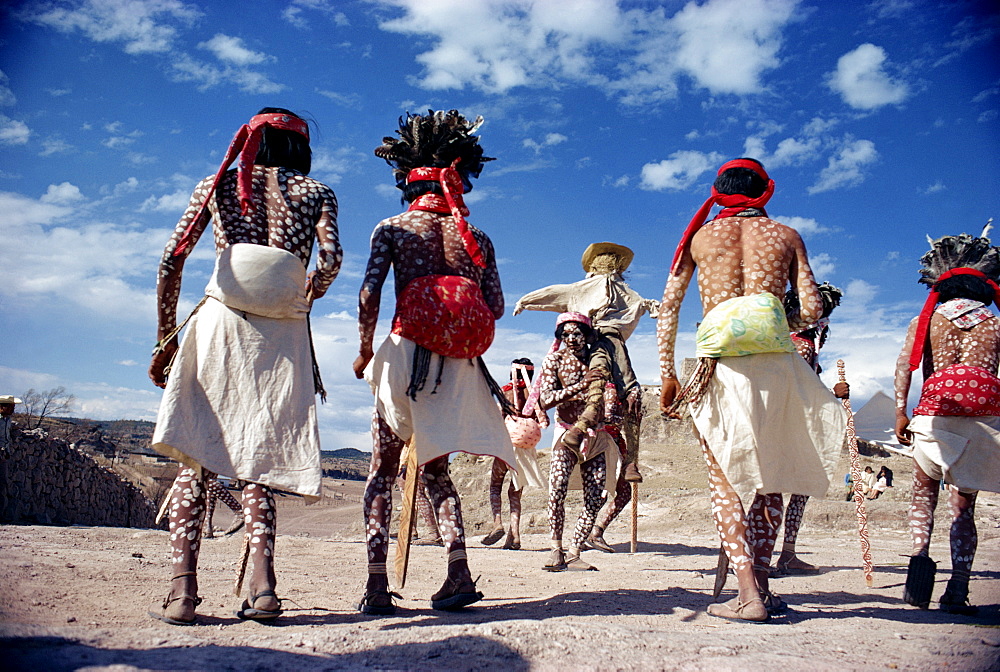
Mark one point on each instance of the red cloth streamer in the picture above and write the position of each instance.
(924, 321)
(733, 204)
(451, 185)
(245, 143)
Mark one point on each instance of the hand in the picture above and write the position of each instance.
(161, 359)
(903, 434)
(518, 308)
(361, 362)
(669, 389)
(312, 291)
(842, 390)
(633, 403)
(595, 374)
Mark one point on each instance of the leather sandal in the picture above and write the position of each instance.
(248, 612)
(454, 595)
(178, 614)
(379, 603)
(495, 535)
(753, 611)
(557, 561)
(956, 599)
(596, 541)
(773, 603)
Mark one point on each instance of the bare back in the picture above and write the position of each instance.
(738, 256)
(418, 243)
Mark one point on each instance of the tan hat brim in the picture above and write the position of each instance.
(595, 249)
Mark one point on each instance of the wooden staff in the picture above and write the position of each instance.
(635, 517)
(242, 571)
(407, 517)
(859, 498)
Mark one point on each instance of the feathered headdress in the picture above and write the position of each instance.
(434, 140)
(952, 256)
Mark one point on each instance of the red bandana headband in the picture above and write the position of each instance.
(733, 203)
(924, 321)
(452, 203)
(245, 143)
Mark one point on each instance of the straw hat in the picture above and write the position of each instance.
(9, 399)
(596, 249)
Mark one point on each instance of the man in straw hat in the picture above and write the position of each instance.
(240, 395)
(766, 423)
(7, 402)
(431, 386)
(955, 430)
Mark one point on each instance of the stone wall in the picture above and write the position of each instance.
(47, 482)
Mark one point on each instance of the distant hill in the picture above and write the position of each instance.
(346, 454)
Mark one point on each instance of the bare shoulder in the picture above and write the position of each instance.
(303, 184)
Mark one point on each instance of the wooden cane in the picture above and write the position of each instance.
(242, 571)
(407, 517)
(635, 517)
(859, 499)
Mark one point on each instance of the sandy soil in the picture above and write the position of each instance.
(76, 598)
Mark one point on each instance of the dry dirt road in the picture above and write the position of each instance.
(76, 599)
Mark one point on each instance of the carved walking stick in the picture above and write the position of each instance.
(407, 519)
(859, 499)
(635, 517)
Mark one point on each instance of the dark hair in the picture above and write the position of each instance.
(587, 330)
(741, 181)
(414, 190)
(524, 361)
(285, 149)
(965, 287)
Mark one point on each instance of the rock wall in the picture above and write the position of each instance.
(45, 481)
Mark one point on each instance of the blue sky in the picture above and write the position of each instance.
(877, 120)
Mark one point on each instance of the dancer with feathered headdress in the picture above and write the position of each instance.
(448, 297)
(955, 430)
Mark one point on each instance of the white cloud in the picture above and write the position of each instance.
(823, 265)
(55, 93)
(806, 226)
(205, 76)
(349, 100)
(13, 132)
(986, 117)
(143, 26)
(845, 168)
(294, 12)
(7, 97)
(509, 43)
(679, 171)
(861, 79)
(549, 140)
(232, 50)
(52, 146)
(935, 188)
(62, 194)
(330, 166)
(789, 152)
(752, 30)
(173, 203)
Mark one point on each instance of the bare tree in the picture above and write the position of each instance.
(45, 403)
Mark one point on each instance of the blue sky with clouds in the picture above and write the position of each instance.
(877, 120)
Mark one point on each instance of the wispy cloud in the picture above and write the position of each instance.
(806, 226)
(679, 171)
(506, 44)
(13, 132)
(7, 97)
(548, 141)
(231, 49)
(846, 167)
(295, 12)
(935, 188)
(863, 83)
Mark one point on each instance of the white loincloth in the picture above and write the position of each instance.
(772, 425)
(963, 451)
(461, 414)
(240, 398)
(528, 472)
(593, 445)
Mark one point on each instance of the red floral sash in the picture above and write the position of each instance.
(960, 390)
(446, 314)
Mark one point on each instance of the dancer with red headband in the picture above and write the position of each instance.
(431, 386)
(766, 423)
(240, 394)
(955, 430)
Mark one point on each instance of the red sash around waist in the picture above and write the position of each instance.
(446, 314)
(960, 390)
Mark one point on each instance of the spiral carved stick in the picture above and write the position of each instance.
(859, 498)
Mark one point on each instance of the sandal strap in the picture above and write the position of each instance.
(194, 598)
(264, 593)
(183, 574)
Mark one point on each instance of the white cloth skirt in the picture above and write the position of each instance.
(963, 451)
(772, 425)
(240, 400)
(460, 414)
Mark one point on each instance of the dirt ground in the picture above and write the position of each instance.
(76, 598)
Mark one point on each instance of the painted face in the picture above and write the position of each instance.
(573, 336)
